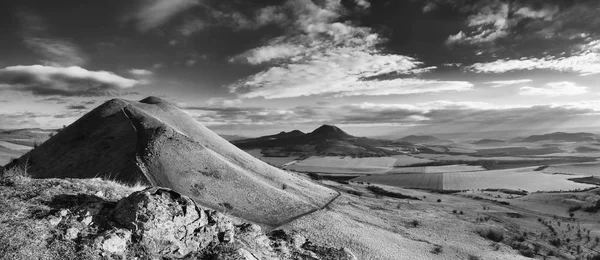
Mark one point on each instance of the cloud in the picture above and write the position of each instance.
(447, 115)
(140, 72)
(504, 83)
(76, 107)
(319, 55)
(494, 19)
(223, 102)
(55, 52)
(585, 61)
(153, 13)
(363, 3)
(192, 26)
(63, 81)
(555, 89)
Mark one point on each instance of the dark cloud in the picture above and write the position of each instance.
(63, 81)
(76, 107)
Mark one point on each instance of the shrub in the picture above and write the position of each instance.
(454, 211)
(461, 212)
(492, 234)
(354, 192)
(380, 191)
(473, 257)
(437, 249)
(439, 200)
(415, 223)
(555, 242)
(284, 186)
(527, 252)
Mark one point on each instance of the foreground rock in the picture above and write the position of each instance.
(155, 223)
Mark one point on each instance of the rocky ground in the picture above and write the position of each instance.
(97, 219)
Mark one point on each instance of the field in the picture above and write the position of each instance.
(411, 180)
(463, 157)
(592, 168)
(404, 160)
(519, 179)
(437, 169)
(341, 165)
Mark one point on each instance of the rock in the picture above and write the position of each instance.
(87, 220)
(116, 242)
(54, 221)
(164, 222)
(71, 233)
(64, 212)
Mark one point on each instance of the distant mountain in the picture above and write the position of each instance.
(562, 137)
(325, 140)
(489, 141)
(421, 139)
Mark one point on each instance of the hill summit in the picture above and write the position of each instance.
(330, 132)
(154, 142)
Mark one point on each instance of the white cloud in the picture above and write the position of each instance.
(495, 19)
(223, 102)
(555, 89)
(153, 13)
(504, 83)
(546, 13)
(363, 3)
(585, 62)
(322, 56)
(488, 25)
(140, 72)
(65, 81)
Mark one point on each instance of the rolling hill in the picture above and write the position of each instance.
(562, 137)
(154, 142)
(421, 139)
(325, 140)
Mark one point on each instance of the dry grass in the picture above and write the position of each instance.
(28, 204)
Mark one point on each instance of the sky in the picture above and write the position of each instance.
(259, 67)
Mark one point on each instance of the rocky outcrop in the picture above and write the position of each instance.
(159, 223)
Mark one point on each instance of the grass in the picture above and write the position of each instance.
(27, 204)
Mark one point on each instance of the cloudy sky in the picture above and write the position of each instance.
(371, 67)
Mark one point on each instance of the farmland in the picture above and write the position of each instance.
(521, 178)
(341, 165)
(405, 160)
(592, 168)
(437, 169)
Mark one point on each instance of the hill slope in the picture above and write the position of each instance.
(325, 140)
(154, 142)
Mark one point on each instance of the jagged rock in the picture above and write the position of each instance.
(163, 222)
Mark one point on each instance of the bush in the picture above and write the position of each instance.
(454, 211)
(437, 249)
(415, 223)
(473, 257)
(380, 191)
(439, 200)
(492, 234)
(354, 192)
